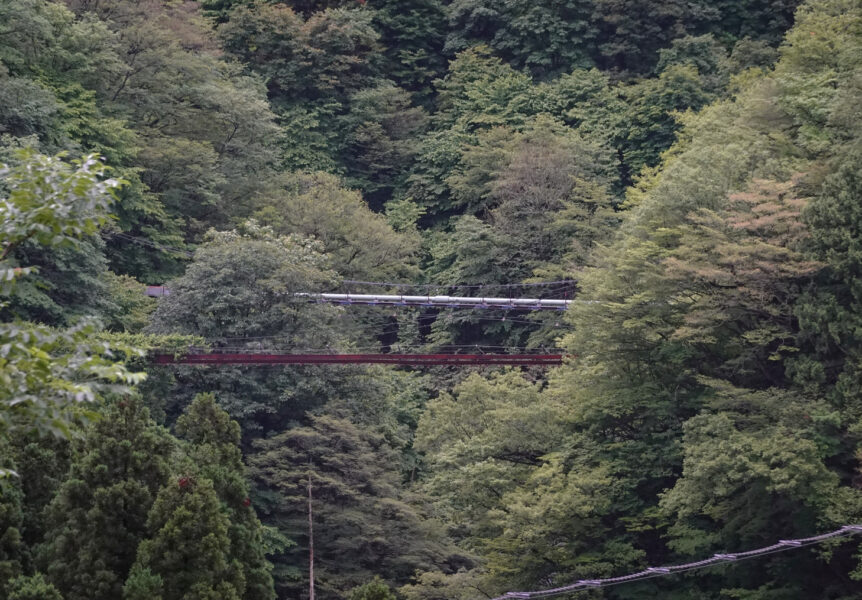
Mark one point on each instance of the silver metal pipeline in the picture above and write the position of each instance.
(405, 300)
(459, 301)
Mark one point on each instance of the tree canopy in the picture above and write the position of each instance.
(686, 173)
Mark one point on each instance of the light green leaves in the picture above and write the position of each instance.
(47, 376)
(52, 202)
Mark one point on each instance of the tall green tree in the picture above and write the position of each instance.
(650, 122)
(413, 34)
(360, 243)
(376, 589)
(12, 548)
(544, 195)
(828, 311)
(99, 515)
(756, 462)
(42, 464)
(237, 293)
(325, 58)
(68, 67)
(480, 90)
(312, 66)
(381, 131)
(215, 452)
(496, 454)
(34, 587)
(631, 33)
(363, 524)
(50, 214)
(187, 556)
(544, 37)
(484, 102)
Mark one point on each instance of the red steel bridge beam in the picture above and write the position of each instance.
(347, 359)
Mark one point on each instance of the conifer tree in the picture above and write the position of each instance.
(99, 515)
(189, 550)
(649, 118)
(215, 451)
(829, 312)
(412, 31)
(142, 584)
(43, 465)
(376, 589)
(11, 520)
(362, 523)
(34, 587)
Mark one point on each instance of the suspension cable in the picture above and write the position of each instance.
(716, 559)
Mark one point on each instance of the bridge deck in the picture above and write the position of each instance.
(342, 359)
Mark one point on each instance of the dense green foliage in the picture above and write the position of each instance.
(364, 524)
(33, 588)
(691, 172)
(99, 515)
(215, 451)
(48, 375)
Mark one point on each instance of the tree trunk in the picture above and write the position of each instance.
(310, 543)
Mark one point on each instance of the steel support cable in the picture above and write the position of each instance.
(716, 559)
(566, 282)
(396, 323)
(509, 293)
(381, 331)
(441, 301)
(152, 244)
(484, 302)
(420, 355)
(488, 348)
(405, 300)
(341, 359)
(450, 318)
(147, 243)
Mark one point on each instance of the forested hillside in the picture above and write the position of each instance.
(688, 173)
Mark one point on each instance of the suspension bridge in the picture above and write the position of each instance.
(456, 356)
(478, 301)
(230, 356)
(441, 301)
(451, 359)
